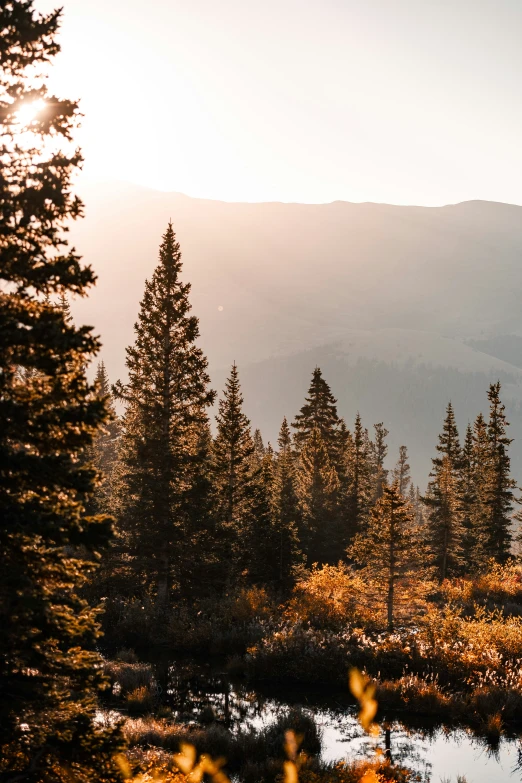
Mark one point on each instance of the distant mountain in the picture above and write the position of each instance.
(403, 307)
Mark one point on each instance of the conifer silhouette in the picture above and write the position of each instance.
(50, 675)
(165, 431)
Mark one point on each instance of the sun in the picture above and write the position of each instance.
(28, 112)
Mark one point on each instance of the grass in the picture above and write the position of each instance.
(253, 755)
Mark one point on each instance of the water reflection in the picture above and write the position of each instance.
(198, 693)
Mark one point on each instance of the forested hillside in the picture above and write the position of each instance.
(404, 307)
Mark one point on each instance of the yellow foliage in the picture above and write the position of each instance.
(328, 594)
(364, 692)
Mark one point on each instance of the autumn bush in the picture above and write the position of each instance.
(327, 597)
(498, 587)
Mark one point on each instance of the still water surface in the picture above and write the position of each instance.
(198, 693)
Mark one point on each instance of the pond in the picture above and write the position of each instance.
(199, 693)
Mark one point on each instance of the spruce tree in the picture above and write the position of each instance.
(380, 451)
(359, 470)
(445, 532)
(234, 472)
(449, 443)
(259, 447)
(401, 472)
(444, 524)
(50, 675)
(319, 412)
(286, 509)
(317, 489)
(476, 515)
(63, 303)
(499, 487)
(391, 553)
(263, 539)
(105, 446)
(165, 439)
(469, 491)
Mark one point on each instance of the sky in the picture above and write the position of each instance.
(397, 101)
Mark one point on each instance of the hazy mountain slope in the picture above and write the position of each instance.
(395, 292)
(292, 275)
(409, 394)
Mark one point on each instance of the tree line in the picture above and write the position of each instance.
(197, 512)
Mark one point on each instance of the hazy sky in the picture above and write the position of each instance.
(402, 101)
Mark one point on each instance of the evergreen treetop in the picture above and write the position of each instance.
(449, 444)
(233, 452)
(499, 488)
(319, 412)
(401, 472)
(284, 439)
(380, 451)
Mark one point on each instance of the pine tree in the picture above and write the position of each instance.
(263, 539)
(499, 487)
(444, 524)
(105, 446)
(401, 472)
(286, 509)
(449, 444)
(317, 489)
(391, 553)
(259, 447)
(475, 515)
(360, 474)
(380, 451)
(468, 496)
(445, 531)
(165, 431)
(319, 412)
(50, 675)
(64, 305)
(234, 472)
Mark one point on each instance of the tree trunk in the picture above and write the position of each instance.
(390, 603)
(164, 583)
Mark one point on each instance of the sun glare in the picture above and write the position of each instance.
(29, 112)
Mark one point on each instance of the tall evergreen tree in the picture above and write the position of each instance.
(259, 447)
(263, 540)
(499, 488)
(319, 412)
(445, 531)
(468, 496)
(285, 508)
(234, 471)
(401, 472)
(360, 475)
(63, 303)
(391, 553)
(380, 451)
(444, 522)
(449, 443)
(165, 430)
(317, 490)
(49, 674)
(105, 446)
(475, 513)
